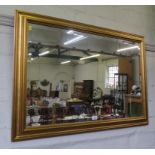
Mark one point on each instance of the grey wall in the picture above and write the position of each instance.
(135, 19)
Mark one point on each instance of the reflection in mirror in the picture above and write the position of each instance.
(77, 77)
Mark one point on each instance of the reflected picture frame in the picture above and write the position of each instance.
(19, 130)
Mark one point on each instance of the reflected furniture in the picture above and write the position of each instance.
(134, 105)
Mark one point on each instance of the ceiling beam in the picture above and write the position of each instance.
(68, 57)
(59, 51)
(65, 48)
(64, 51)
(77, 49)
(86, 53)
(62, 56)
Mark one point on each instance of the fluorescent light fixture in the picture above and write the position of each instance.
(89, 57)
(65, 62)
(43, 53)
(128, 48)
(30, 54)
(75, 34)
(78, 38)
(70, 32)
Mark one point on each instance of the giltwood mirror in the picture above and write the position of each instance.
(72, 78)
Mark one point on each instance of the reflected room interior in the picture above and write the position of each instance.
(77, 77)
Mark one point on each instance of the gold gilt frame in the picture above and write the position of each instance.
(19, 130)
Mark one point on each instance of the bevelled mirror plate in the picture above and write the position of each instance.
(73, 78)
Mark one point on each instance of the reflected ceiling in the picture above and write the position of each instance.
(63, 44)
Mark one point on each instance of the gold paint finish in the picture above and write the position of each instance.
(19, 130)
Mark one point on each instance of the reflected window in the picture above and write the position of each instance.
(111, 71)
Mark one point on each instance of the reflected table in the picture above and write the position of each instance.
(133, 105)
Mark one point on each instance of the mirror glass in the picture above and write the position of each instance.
(75, 76)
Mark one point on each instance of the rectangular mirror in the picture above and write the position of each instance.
(73, 78)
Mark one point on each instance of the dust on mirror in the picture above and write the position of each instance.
(77, 77)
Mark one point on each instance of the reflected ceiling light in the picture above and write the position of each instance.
(65, 62)
(30, 54)
(75, 34)
(70, 32)
(92, 56)
(128, 48)
(78, 38)
(32, 59)
(43, 53)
